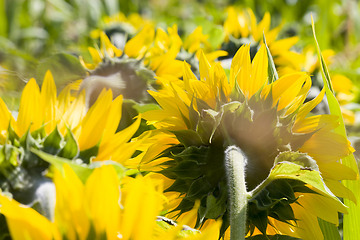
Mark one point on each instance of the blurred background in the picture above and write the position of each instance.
(32, 31)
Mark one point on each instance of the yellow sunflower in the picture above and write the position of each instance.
(268, 121)
(99, 209)
(122, 24)
(197, 42)
(241, 26)
(44, 109)
(308, 61)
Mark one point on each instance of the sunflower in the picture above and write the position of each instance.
(241, 27)
(308, 61)
(268, 122)
(98, 209)
(119, 23)
(60, 125)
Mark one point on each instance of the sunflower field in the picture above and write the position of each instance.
(168, 119)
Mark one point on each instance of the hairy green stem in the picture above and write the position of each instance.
(235, 173)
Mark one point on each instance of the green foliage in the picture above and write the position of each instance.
(351, 230)
(65, 68)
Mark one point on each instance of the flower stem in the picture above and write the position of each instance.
(235, 172)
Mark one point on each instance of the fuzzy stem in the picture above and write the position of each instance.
(235, 173)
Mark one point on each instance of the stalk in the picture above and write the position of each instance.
(235, 173)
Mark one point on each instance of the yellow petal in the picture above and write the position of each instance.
(307, 225)
(113, 119)
(25, 223)
(94, 123)
(30, 112)
(287, 88)
(141, 206)
(336, 171)
(6, 119)
(326, 147)
(241, 64)
(188, 75)
(111, 147)
(340, 190)
(262, 27)
(259, 72)
(102, 198)
(342, 84)
(311, 124)
(282, 45)
(48, 98)
(74, 114)
(107, 48)
(204, 68)
(307, 107)
(70, 213)
(319, 205)
(138, 45)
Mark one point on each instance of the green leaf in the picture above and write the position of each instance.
(71, 148)
(83, 171)
(259, 218)
(87, 154)
(273, 75)
(329, 230)
(193, 115)
(27, 142)
(187, 169)
(52, 143)
(216, 36)
(198, 189)
(215, 207)
(141, 108)
(188, 137)
(288, 170)
(64, 67)
(298, 158)
(3, 19)
(351, 230)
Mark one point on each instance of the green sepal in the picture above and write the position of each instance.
(12, 136)
(258, 218)
(201, 105)
(4, 230)
(188, 137)
(215, 206)
(193, 116)
(179, 185)
(198, 188)
(9, 155)
(71, 148)
(237, 94)
(273, 75)
(27, 142)
(87, 155)
(298, 140)
(204, 129)
(245, 114)
(184, 206)
(187, 169)
(52, 143)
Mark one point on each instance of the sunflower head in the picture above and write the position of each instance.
(265, 120)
